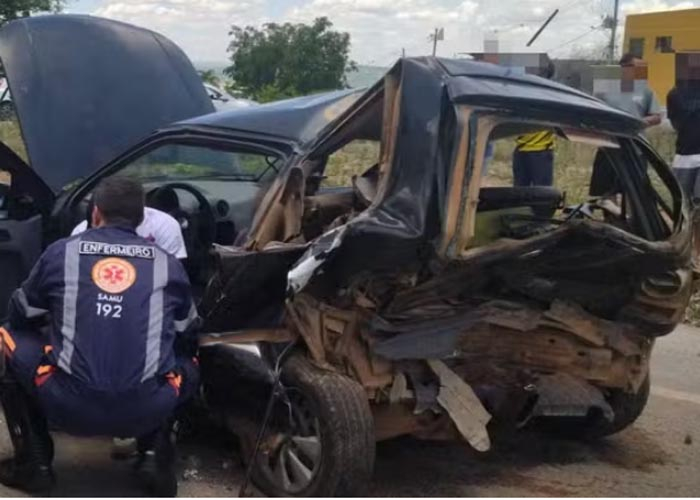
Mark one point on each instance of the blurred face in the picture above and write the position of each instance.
(634, 70)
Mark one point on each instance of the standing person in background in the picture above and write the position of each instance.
(683, 104)
(641, 103)
(533, 157)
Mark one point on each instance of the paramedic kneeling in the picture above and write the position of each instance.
(116, 357)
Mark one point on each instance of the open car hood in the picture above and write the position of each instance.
(85, 89)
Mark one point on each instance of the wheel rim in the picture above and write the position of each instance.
(294, 463)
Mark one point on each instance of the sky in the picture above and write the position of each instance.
(381, 29)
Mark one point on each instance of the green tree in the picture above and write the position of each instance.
(14, 9)
(286, 60)
(209, 76)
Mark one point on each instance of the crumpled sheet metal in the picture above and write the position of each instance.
(561, 395)
(463, 406)
(390, 233)
(313, 259)
(440, 338)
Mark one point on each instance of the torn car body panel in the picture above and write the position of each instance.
(401, 291)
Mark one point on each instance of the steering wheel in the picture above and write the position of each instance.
(198, 230)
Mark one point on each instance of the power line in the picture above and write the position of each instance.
(593, 28)
(568, 5)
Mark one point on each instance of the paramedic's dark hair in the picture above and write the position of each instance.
(627, 59)
(120, 200)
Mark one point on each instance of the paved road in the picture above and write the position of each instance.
(659, 456)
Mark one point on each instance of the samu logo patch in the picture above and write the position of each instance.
(113, 275)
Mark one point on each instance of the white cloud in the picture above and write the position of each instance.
(381, 28)
(200, 27)
(639, 6)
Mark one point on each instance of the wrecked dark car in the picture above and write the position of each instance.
(415, 300)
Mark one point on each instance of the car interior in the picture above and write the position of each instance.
(20, 232)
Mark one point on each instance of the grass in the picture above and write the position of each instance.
(573, 163)
(353, 159)
(11, 137)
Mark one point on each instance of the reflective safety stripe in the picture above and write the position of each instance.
(44, 369)
(43, 373)
(8, 340)
(175, 381)
(155, 315)
(28, 310)
(183, 324)
(71, 272)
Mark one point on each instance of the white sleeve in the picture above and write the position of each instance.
(169, 237)
(80, 228)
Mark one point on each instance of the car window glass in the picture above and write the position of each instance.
(351, 160)
(662, 194)
(182, 162)
(572, 162)
(590, 179)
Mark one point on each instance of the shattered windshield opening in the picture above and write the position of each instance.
(596, 177)
(195, 162)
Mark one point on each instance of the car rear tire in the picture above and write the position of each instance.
(626, 406)
(329, 446)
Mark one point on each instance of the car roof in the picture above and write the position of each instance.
(492, 86)
(299, 119)
(465, 81)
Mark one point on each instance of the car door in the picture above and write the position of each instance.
(25, 203)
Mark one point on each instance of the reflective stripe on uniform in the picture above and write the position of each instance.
(29, 311)
(71, 274)
(8, 340)
(155, 315)
(183, 324)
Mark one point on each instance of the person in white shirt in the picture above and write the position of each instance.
(157, 227)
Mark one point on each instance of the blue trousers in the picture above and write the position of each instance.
(533, 168)
(71, 407)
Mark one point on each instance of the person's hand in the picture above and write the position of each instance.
(651, 120)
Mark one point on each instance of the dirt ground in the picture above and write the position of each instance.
(659, 456)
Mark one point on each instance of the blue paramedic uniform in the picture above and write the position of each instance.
(117, 356)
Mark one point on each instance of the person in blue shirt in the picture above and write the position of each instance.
(100, 341)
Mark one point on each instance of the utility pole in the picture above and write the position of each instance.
(403, 53)
(613, 32)
(438, 35)
(539, 31)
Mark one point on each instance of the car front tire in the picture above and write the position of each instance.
(329, 447)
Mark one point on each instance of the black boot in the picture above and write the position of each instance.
(30, 469)
(26, 476)
(156, 463)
